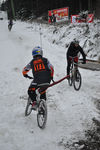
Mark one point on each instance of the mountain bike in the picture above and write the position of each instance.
(41, 106)
(41, 103)
(75, 78)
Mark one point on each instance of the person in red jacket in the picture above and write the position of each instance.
(42, 72)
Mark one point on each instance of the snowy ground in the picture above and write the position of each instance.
(70, 113)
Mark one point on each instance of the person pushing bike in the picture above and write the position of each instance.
(42, 71)
(73, 51)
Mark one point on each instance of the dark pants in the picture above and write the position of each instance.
(32, 92)
(69, 60)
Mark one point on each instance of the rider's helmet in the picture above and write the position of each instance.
(76, 42)
(37, 51)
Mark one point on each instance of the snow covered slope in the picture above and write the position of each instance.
(70, 112)
(87, 34)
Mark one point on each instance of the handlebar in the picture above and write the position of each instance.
(81, 62)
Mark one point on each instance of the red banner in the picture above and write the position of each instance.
(58, 15)
(77, 19)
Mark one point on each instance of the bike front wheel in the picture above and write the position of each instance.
(28, 109)
(70, 81)
(77, 81)
(42, 114)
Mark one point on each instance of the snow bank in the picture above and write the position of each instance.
(88, 35)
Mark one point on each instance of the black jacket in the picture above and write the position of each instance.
(73, 51)
(42, 70)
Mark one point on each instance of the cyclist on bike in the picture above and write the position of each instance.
(42, 72)
(73, 51)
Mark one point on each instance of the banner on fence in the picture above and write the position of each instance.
(78, 19)
(58, 15)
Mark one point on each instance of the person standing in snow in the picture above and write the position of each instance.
(42, 72)
(73, 51)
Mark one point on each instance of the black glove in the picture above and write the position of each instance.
(26, 76)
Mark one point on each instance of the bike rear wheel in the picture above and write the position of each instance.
(77, 81)
(42, 114)
(28, 109)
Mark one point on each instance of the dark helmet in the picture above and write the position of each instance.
(76, 42)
